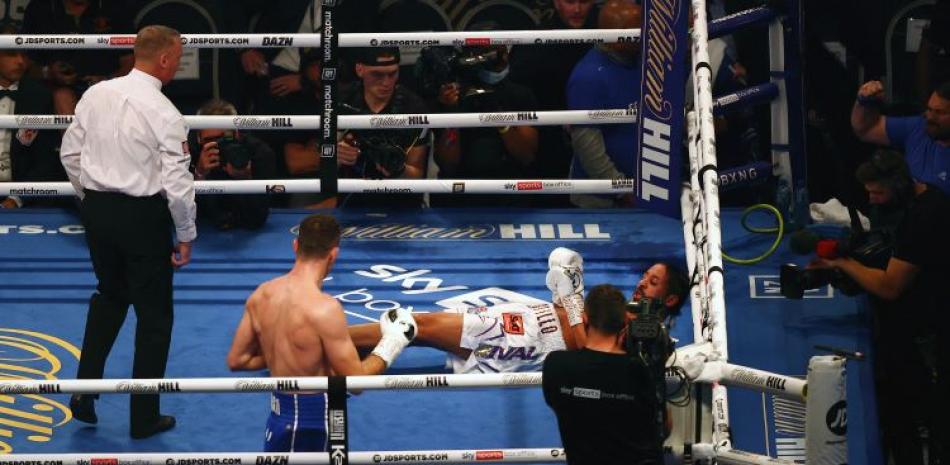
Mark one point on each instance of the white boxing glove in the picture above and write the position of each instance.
(399, 329)
(565, 279)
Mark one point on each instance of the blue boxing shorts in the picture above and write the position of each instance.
(297, 423)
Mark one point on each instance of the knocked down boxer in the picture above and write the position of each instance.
(516, 336)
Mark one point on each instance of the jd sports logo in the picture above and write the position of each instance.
(837, 418)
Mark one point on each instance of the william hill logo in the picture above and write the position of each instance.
(287, 385)
(472, 232)
(48, 389)
(398, 121)
(166, 386)
(528, 116)
(281, 123)
(436, 381)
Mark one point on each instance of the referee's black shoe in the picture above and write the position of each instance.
(83, 408)
(164, 423)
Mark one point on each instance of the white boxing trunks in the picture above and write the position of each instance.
(507, 337)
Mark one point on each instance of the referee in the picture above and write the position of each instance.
(126, 153)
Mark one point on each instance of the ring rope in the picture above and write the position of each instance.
(550, 454)
(276, 40)
(389, 121)
(366, 186)
(706, 372)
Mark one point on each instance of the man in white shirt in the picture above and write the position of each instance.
(126, 153)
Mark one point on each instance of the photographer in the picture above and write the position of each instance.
(912, 292)
(231, 155)
(381, 154)
(481, 85)
(606, 404)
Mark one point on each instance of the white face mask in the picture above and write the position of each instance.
(493, 77)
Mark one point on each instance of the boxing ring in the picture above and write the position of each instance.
(425, 260)
(47, 282)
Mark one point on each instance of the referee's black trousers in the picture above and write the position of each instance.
(130, 245)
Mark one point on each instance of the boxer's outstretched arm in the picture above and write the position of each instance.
(338, 346)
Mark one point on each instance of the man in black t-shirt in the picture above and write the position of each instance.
(607, 408)
(910, 299)
(370, 154)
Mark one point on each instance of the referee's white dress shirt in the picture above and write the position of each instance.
(128, 137)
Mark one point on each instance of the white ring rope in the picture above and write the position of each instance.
(400, 121)
(289, 384)
(277, 40)
(551, 454)
(365, 186)
(712, 372)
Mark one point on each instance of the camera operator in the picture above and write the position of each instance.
(231, 155)
(606, 404)
(481, 85)
(387, 153)
(911, 292)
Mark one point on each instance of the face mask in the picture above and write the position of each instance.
(492, 77)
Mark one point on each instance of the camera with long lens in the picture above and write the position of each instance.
(648, 340)
(376, 147)
(438, 66)
(871, 249)
(233, 152)
(379, 150)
